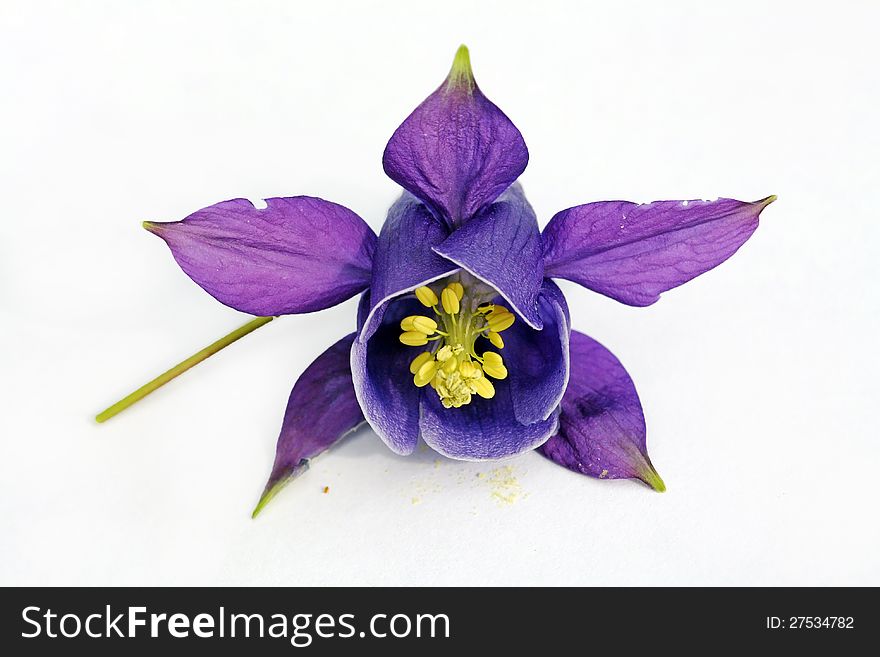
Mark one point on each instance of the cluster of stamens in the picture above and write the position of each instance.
(451, 366)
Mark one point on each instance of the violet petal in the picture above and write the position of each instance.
(602, 427)
(633, 252)
(297, 255)
(322, 408)
(457, 151)
(502, 246)
(483, 430)
(538, 361)
(404, 258)
(382, 381)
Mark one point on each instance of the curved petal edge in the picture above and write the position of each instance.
(382, 380)
(602, 427)
(633, 253)
(502, 246)
(457, 151)
(404, 258)
(296, 255)
(538, 361)
(321, 410)
(485, 429)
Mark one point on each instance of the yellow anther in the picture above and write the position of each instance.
(413, 338)
(493, 365)
(425, 374)
(456, 374)
(496, 340)
(420, 360)
(483, 387)
(426, 296)
(419, 323)
(495, 371)
(500, 321)
(449, 299)
(425, 325)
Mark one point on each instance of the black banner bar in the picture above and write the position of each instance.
(275, 621)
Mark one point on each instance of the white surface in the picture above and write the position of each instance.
(758, 379)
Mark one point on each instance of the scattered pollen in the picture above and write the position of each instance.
(325, 490)
(603, 474)
(505, 488)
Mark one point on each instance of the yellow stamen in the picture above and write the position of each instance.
(425, 325)
(500, 321)
(483, 387)
(425, 374)
(420, 360)
(493, 365)
(469, 370)
(427, 296)
(419, 323)
(449, 299)
(495, 371)
(461, 313)
(413, 338)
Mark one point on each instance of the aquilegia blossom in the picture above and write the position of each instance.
(463, 339)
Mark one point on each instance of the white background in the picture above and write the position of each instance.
(758, 379)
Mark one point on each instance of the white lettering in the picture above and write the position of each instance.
(178, 626)
(134, 621)
(203, 626)
(24, 616)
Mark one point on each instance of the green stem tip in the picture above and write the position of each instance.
(274, 487)
(649, 476)
(181, 367)
(461, 75)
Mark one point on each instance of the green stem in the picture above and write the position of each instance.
(181, 367)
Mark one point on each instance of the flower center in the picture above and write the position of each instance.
(461, 314)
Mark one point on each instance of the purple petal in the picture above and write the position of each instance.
(483, 430)
(633, 252)
(537, 361)
(297, 255)
(457, 151)
(404, 258)
(502, 246)
(602, 427)
(382, 381)
(322, 409)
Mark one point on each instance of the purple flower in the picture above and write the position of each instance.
(463, 338)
